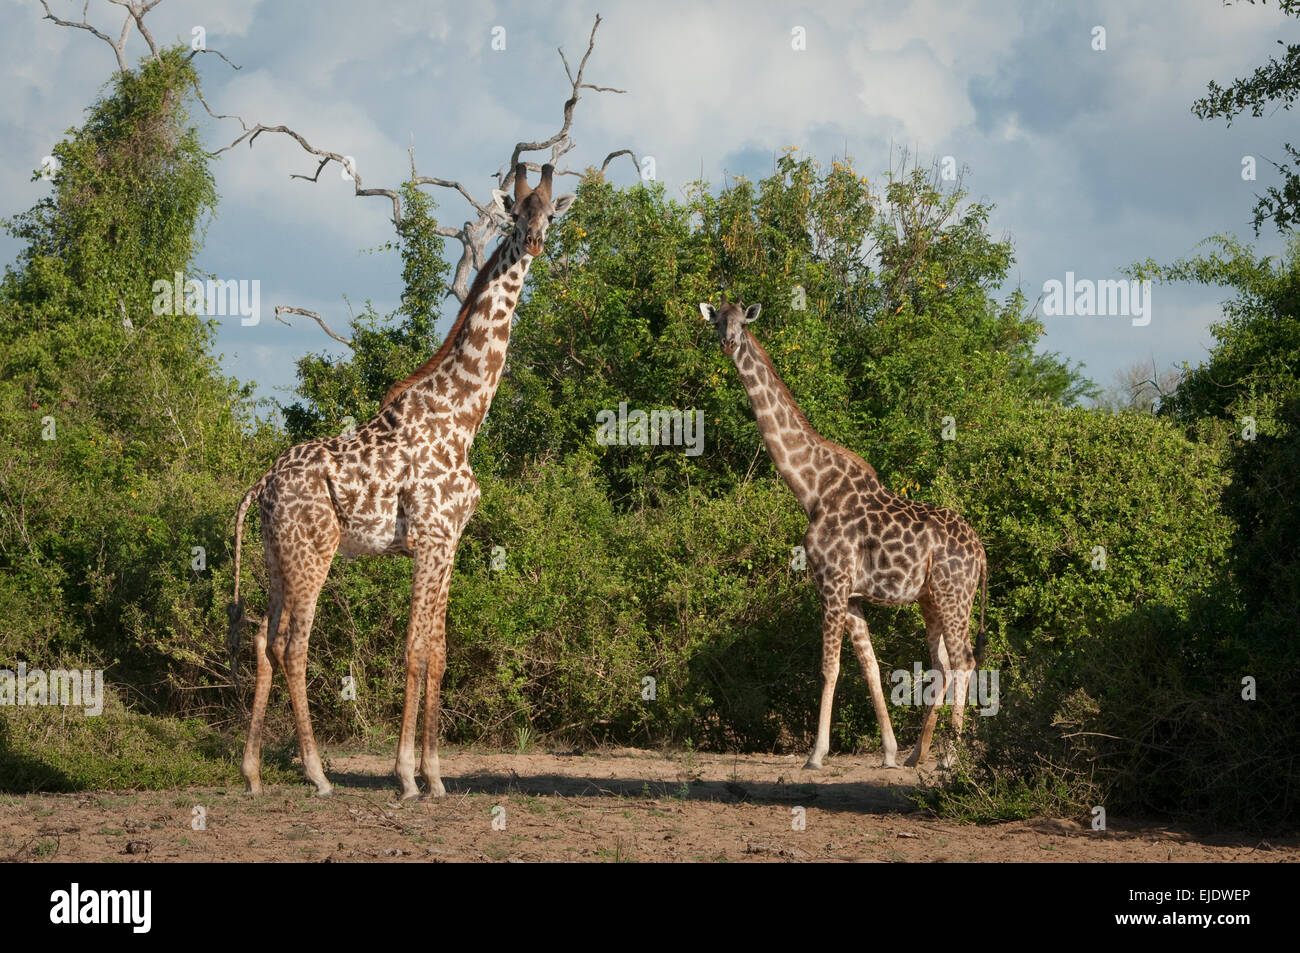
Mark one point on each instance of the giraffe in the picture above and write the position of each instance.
(864, 543)
(400, 483)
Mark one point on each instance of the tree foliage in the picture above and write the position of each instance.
(1277, 81)
(124, 441)
(878, 311)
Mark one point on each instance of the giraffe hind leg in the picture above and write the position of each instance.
(295, 669)
(934, 693)
(304, 566)
(962, 658)
(251, 768)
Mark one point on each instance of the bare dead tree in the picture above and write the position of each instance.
(135, 10)
(1141, 386)
(474, 235)
(118, 45)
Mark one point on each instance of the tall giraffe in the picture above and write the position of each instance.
(864, 543)
(401, 483)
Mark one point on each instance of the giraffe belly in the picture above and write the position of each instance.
(374, 536)
(886, 586)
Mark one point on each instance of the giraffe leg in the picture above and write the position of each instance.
(861, 638)
(431, 560)
(295, 669)
(251, 768)
(302, 563)
(833, 621)
(416, 664)
(268, 654)
(437, 664)
(934, 693)
(957, 638)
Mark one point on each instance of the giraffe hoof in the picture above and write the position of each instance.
(410, 795)
(253, 790)
(436, 794)
(324, 792)
(811, 765)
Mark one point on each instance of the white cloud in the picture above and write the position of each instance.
(1090, 161)
(260, 176)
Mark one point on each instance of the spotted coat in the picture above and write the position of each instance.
(863, 544)
(400, 484)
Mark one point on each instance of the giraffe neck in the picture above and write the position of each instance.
(462, 377)
(791, 441)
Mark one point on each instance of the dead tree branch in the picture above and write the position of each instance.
(474, 235)
(135, 11)
(194, 53)
(119, 47)
(285, 309)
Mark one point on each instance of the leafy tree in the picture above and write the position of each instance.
(126, 443)
(1278, 81)
(877, 310)
(1250, 386)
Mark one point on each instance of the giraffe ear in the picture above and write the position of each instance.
(502, 202)
(562, 203)
(751, 313)
(708, 311)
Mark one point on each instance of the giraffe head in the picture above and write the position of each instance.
(531, 211)
(729, 321)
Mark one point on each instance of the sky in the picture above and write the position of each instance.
(1091, 157)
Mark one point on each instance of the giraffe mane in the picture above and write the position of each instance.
(472, 301)
(799, 414)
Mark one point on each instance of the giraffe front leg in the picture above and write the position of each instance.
(429, 765)
(437, 652)
(861, 638)
(833, 616)
(416, 663)
(425, 583)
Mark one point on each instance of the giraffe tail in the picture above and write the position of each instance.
(981, 638)
(235, 608)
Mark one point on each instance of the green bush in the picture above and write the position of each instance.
(60, 749)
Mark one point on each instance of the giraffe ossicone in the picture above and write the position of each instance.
(864, 544)
(399, 484)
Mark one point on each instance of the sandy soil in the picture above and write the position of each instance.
(624, 805)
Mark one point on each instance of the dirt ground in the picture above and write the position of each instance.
(624, 805)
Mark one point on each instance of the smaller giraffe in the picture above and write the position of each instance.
(864, 543)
